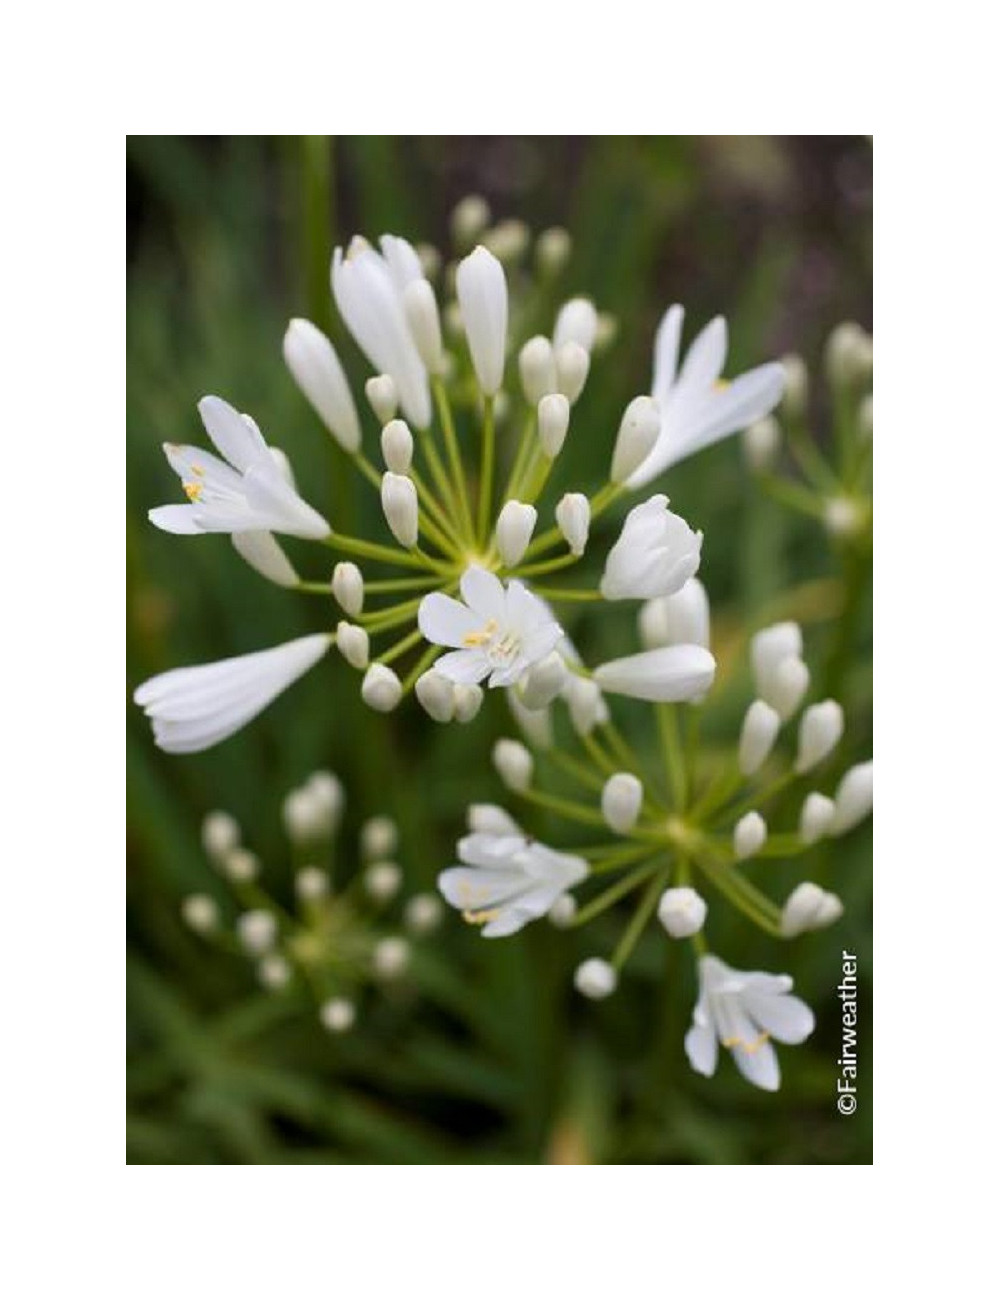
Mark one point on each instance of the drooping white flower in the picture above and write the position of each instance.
(670, 674)
(697, 410)
(681, 619)
(316, 368)
(246, 491)
(194, 708)
(809, 908)
(497, 633)
(744, 1010)
(655, 554)
(368, 288)
(507, 881)
(481, 287)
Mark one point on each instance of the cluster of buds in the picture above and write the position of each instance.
(679, 826)
(331, 944)
(472, 412)
(831, 483)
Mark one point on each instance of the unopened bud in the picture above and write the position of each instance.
(572, 367)
(436, 695)
(348, 588)
(515, 524)
(469, 219)
(200, 913)
(562, 911)
(842, 517)
(853, 800)
(352, 642)
(576, 323)
(508, 240)
(785, 687)
(468, 701)
(848, 355)
(397, 446)
(573, 519)
(637, 433)
(796, 395)
(261, 550)
(513, 763)
(315, 367)
(391, 958)
(381, 689)
(537, 364)
(399, 504)
(621, 801)
(257, 931)
(304, 816)
(761, 724)
(821, 728)
(681, 619)
(553, 423)
(772, 644)
(422, 913)
(543, 681)
(379, 838)
(535, 724)
(273, 971)
(809, 908)
(383, 397)
(337, 1015)
(761, 442)
(552, 250)
(328, 793)
(682, 912)
(311, 884)
(240, 866)
(586, 705)
(865, 419)
(421, 309)
(749, 835)
(382, 880)
(220, 834)
(595, 978)
(816, 817)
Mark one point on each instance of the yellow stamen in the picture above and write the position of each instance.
(194, 490)
(481, 637)
(721, 385)
(480, 918)
(755, 1046)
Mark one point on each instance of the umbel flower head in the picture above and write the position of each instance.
(469, 440)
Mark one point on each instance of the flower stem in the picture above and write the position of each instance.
(612, 894)
(640, 919)
(486, 475)
(375, 551)
(546, 566)
(568, 808)
(599, 502)
(420, 667)
(524, 449)
(400, 647)
(673, 756)
(454, 456)
(568, 593)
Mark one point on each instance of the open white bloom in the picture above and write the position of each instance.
(244, 492)
(507, 881)
(194, 708)
(497, 633)
(482, 296)
(655, 554)
(671, 674)
(316, 368)
(744, 1010)
(368, 288)
(681, 619)
(809, 908)
(696, 408)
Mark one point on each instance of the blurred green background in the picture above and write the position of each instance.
(493, 1057)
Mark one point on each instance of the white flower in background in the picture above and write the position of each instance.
(482, 297)
(670, 674)
(514, 763)
(572, 368)
(697, 409)
(621, 801)
(809, 908)
(744, 1010)
(369, 291)
(507, 881)
(576, 323)
(316, 368)
(655, 554)
(820, 730)
(246, 491)
(853, 800)
(195, 708)
(816, 817)
(497, 633)
(681, 619)
(383, 397)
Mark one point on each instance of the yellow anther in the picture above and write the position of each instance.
(194, 490)
(480, 918)
(199, 470)
(482, 636)
(721, 385)
(755, 1046)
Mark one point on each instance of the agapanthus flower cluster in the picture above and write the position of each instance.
(334, 942)
(468, 434)
(679, 834)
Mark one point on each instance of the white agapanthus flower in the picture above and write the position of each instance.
(655, 554)
(496, 633)
(194, 708)
(697, 408)
(507, 880)
(670, 674)
(744, 1010)
(247, 491)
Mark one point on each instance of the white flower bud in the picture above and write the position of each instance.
(508, 240)
(379, 838)
(316, 368)
(572, 368)
(537, 364)
(491, 819)
(576, 323)
(761, 725)
(586, 705)
(637, 433)
(621, 801)
(772, 644)
(383, 397)
(468, 701)
(682, 912)
(422, 913)
(469, 219)
(680, 619)
(263, 552)
(304, 816)
(761, 442)
(337, 1015)
(809, 908)
(513, 763)
(534, 724)
(273, 971)
(240, 866)
(397, 446)
(853, 799)
(749, 835)
(865, 419)
(821, 728)
(848, 355)
(220, 834)
(328, 792)
(352, 642)
(382, 881)
(562, 911)
(311, 884)
(399, 504)
(543, 681)
(595, 978)
(391, 957)
(436, 695)
(671, 674)
(381, 689)
(552, 250)
(200, 913)
(257, 931)
(816, 817)
(573, 519)
(430, 260)
(786, 686)
(421, 310)
(482, 296)
(348, 588)
(553, 423)
(796, 394)
(515, 524)
(842, 517)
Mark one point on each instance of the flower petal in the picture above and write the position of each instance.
(483, 592)
(446, 621)
(237, 439)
